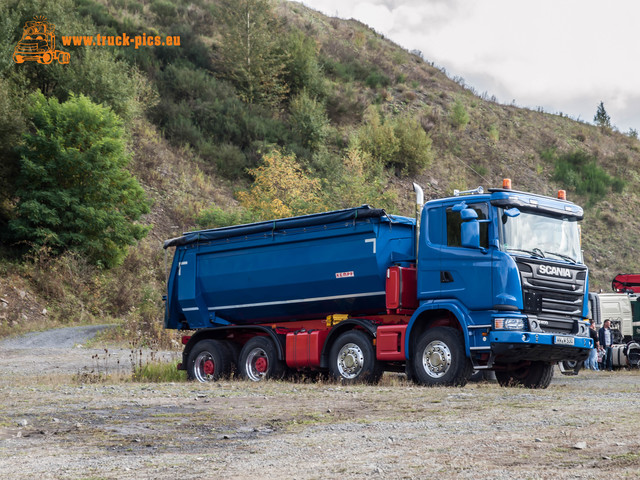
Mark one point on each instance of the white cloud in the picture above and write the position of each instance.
(563, 55)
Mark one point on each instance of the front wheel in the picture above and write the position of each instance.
(533, 375)
(440, 359)
(208, 361)
(258, 360)
(353, 359)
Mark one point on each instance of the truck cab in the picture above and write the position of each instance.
(508, 266)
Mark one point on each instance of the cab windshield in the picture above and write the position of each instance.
(541, 236)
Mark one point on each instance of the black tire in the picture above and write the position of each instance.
(258, 360)
(440, 358)
(352, 359)
(234, 354)
(534, 375)
(209, 360)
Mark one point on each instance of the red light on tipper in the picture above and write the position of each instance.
(185, 339)
(562, 194)
(506, 184)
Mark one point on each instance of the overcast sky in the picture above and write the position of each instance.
(562, 55)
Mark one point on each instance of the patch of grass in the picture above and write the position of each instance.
(159, 372)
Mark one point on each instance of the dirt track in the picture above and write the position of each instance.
(52, 426)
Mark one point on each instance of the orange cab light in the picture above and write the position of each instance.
(562, 194)
(506, 184)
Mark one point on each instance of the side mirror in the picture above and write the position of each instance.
(509, 213)
(470, 229)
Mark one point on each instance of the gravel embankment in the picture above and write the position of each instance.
(54, 426)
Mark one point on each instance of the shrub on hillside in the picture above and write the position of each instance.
(309, 121)
(303, 71)
(581, 172)
(414, 152)
(358, 185)
(459, 117)
(398, 142)
(281, 189)
(73, 190)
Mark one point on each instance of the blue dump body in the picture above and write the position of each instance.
(290, 269)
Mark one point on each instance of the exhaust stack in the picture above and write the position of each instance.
(419, 203)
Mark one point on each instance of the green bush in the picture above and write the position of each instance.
(302, 69)
(73, 190)
(214, 217)
(230, 161)
(164, 10)
(398, 142)
(414, 152)
(378, 137)
(308, 121)
(459, 117)
(581, 172)
(377, 79)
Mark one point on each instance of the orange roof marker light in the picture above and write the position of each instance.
(506, 184)
(562, 194)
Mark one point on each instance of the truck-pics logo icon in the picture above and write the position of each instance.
(38, 43)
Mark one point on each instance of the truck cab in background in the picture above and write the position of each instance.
(623, 311)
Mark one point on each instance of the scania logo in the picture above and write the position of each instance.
(554, 271)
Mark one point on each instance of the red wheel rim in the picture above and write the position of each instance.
(208, 367)
(262, 364)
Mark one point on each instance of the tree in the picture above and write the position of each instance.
(281, 189)
(601, 118)
(309, 121)
(252, 56)
(73, 191)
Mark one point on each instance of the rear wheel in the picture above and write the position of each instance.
(440, 359)
(208, 361)
(258, 360)
(534, 375)
(352, 359)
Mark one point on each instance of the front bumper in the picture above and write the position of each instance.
(530, 346)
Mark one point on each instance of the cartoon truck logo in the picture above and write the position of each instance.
(38, 43)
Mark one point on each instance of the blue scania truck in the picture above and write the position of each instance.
(477, 281)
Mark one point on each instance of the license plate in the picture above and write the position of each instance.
(565, 340)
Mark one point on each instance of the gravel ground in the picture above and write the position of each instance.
(56, 424)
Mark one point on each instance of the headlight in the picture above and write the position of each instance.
(510, 323)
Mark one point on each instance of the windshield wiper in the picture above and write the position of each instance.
(535, 252)
(563, 256)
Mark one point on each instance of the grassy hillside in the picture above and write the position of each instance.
(336, 107)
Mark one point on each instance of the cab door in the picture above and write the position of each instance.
(466, 273)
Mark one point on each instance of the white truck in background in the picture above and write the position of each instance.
(623, 311)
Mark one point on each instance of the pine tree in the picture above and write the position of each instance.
(602, 118)
(73, 190)
(253, 58)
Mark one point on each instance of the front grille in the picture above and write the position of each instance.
(553, 294)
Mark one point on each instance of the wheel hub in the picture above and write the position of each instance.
(436, 359)
(261, 365)
(208, 367)
(350, 360)
(257, 364)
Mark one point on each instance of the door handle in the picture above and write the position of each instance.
(446, 277)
